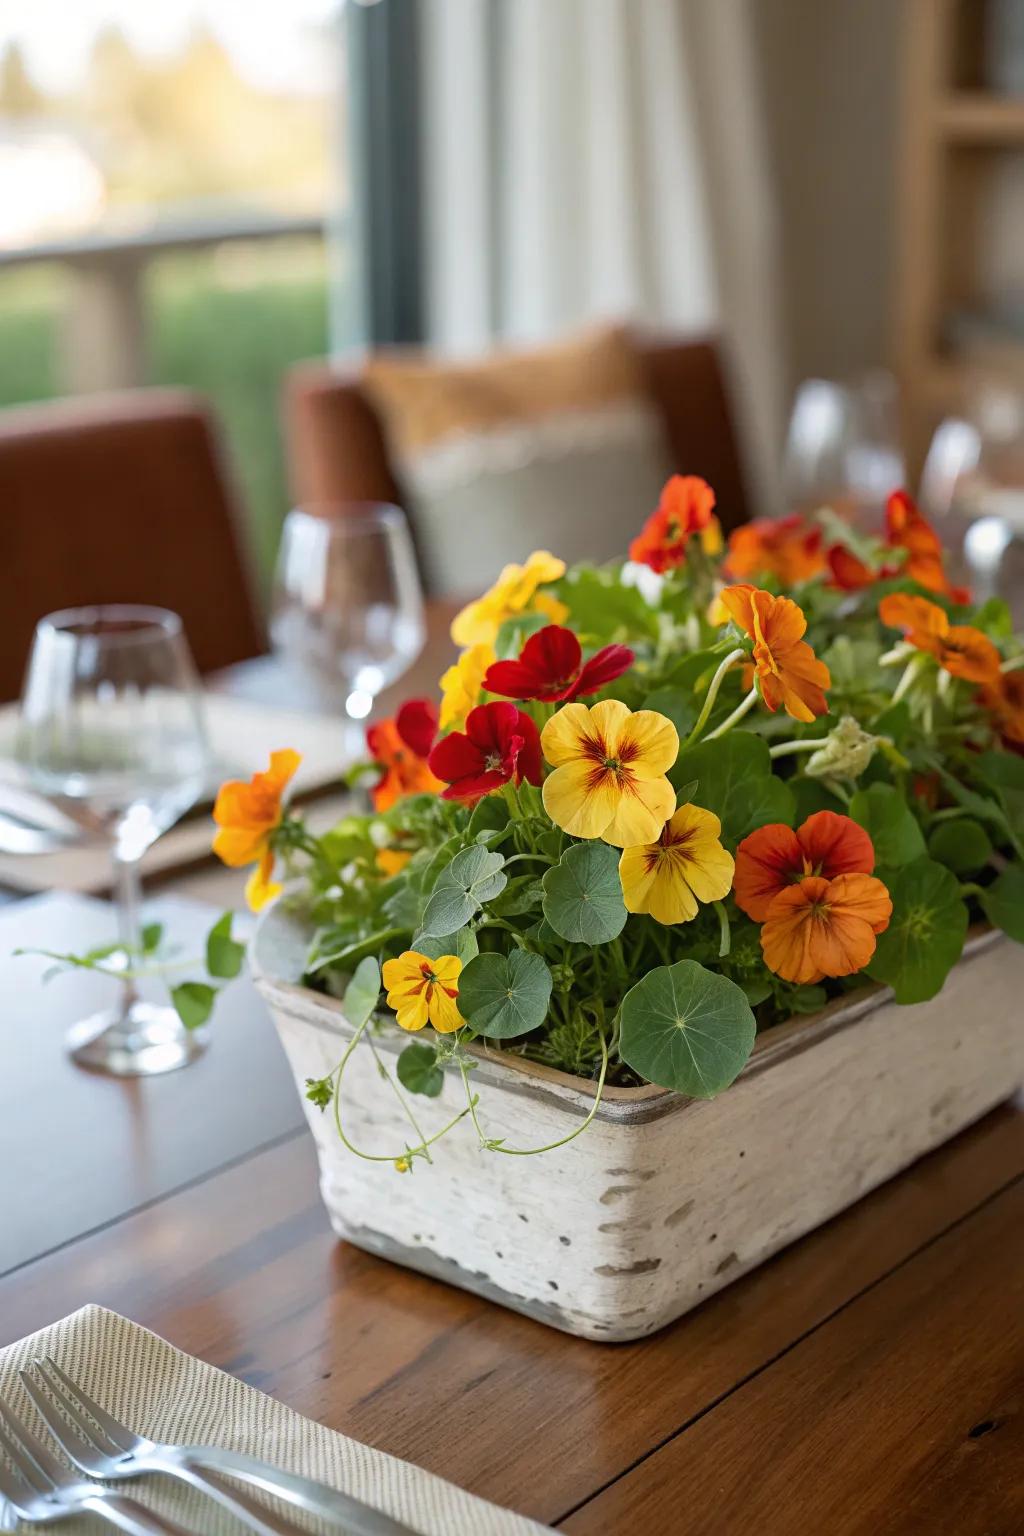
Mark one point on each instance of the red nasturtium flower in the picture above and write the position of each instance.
(786, 547)
(500, 743)
(820, 927)
(775, 857)
(959, 648)
(789, 672)
(399, 747)
(686, 507)
(551, 668)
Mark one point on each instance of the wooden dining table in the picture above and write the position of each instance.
(870, 1378)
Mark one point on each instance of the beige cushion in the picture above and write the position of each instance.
(558, 449)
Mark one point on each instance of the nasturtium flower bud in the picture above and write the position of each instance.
(845, 753)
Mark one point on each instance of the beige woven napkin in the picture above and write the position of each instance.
(161, 1392)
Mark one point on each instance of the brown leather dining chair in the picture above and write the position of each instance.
(120, 498)
(337, 452)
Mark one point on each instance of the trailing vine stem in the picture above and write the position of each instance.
(494, 1146)
(385, 1157)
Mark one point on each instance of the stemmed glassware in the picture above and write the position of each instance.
(973, 486)
(112, 733)
(843, 446)
(347, 608)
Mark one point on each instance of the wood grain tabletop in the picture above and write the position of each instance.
(868, 1379)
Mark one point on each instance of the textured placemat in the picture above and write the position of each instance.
(161, 1392)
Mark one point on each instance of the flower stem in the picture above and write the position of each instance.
(743, 708)
(709, 702)
(1013, 665)
(910, 675)
(808, 744)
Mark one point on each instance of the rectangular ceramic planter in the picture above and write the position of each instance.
(662, 1200)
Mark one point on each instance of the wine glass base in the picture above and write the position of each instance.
(142, 1042)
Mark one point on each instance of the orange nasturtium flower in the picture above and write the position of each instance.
(462, 685)
(399, 747)
(786, 547)
(514, 592)
(820, 927)
(774, 857)
(789, 671)
(1004, 699)
(247, 815)
(391, 861)
(609, 772)
(424, 991)
(685, 866)
(686, 508)
(959, 648)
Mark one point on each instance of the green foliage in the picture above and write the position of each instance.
(685, 1028)
(735, 780)
(926, 933)
(362, 992)
(193, 1002)
(885, 816)
(462, 943)
(583, 895)
(418, 1071)
(224, 955)
(1003, 902)
(474, 876)
(962, 845)
(601, 609)
(503, 996)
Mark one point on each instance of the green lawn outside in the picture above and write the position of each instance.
(227, 322)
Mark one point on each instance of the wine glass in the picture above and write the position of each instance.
(347, 607)
(843, 446)
(973, 486)
(112, 733)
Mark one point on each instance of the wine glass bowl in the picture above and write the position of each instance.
(112, 733)
(347, 607)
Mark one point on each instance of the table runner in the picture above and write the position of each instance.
(160, 1391)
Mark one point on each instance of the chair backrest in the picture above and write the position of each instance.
(120, 498)
(337, 452)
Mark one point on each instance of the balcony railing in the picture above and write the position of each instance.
(103, 337)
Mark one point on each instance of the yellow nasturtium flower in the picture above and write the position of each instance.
(461, 685)
(685, 866)
(246, 815)
(514, 592)
(424, 991)
(610, 766)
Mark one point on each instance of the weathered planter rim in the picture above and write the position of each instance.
(518, 1074)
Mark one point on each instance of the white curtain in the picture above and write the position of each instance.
(587, 159)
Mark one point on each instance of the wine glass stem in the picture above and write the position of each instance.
(128, 895)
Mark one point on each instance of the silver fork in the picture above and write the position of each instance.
(103, 1447)
(41, 1491)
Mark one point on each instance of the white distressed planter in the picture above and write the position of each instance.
(662, 1200)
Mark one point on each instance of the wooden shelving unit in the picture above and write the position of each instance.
(954, 133)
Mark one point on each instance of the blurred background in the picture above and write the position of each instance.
(830, 193)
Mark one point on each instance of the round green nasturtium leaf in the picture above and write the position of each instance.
(687, 1028)
(462, 943)
(735, 780)
(887, 819)
(473, 877)
(363, 992)
(675, 705)
(926, 932)
(1003, 902)
(583, 894)
(418, 1071)
(505, 995)
(962, 845)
